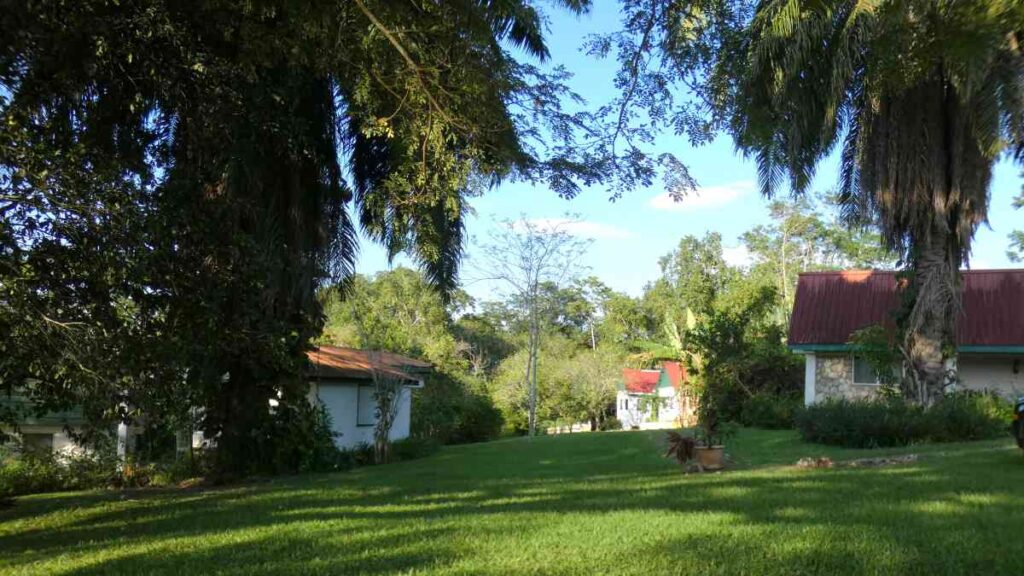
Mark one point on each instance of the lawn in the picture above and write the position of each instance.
(578, 504)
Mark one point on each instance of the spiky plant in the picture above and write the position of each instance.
(922, 97)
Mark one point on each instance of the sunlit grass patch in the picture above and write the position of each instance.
(581, 504)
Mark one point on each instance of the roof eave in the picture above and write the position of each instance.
(964, 349)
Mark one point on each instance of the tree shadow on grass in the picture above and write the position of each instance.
(944, 514)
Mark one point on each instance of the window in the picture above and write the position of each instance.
(366, 414)
(37, 442)
(863, 372)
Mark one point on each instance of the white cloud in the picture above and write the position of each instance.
(703, 197)
(737, 256)
(581, 228)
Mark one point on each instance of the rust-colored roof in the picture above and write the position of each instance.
(676, 373)
(336, 362)
(831, 306)
(640, 381)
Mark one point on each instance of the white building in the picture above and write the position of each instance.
(653, 399)
(342, 379)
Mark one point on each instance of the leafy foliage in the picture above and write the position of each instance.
(413, 448)
(921, 97)
(453, 409)
(1016, 251)
(772, 411)
(525, 257)
(681, 446)
(29, 471)
(735, 354)
(174, 179)
(399, 311)
(894, 421)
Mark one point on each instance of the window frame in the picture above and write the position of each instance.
(853, 373)
(359, 411)
(38, 441)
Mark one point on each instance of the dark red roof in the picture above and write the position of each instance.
(830, 306)
(676, 373)
(640, 381)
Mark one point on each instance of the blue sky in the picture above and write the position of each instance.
(630, 234)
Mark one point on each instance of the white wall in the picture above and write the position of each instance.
(632, 417)
(62, 443)
(994, 373)
(668, 412)
(342, 399)
(810, 378)
(627, 410)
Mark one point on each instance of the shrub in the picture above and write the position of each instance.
(969, 415)
(609, 424)
(883, 422)
(28, 474)
(361, 455)
(413, 448)
(479, 420)
(35, 471)
(773, 411)
(452, 410)
(183, 467)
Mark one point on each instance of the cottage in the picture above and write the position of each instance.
(831, 306)
(651, 399)
(44, 432)
(342, 379)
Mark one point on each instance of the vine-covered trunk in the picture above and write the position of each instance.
(236, 417)
(931, 331)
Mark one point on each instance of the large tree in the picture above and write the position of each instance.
(173, 180)
(803, 238)
(530, 260)
(921, 97)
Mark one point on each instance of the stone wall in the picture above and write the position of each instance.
(834, 379)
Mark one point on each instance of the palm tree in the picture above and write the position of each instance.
(922, 97)
(222, 142)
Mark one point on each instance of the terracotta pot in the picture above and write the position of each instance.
(710, 457)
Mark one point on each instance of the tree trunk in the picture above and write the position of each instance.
(532, 361)
(931, 331)
(237, 418)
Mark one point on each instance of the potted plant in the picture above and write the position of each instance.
(710, 449)
(710, 435)
(705, 448)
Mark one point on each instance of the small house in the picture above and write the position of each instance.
(343, 380)
(831, 306)
(652, 399)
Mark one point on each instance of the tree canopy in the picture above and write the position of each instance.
(174, 179)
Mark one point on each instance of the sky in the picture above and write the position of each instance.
(630, 234)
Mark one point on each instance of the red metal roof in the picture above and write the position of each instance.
(346, 363)
(830, 306)
(676, 373)
(640, 381)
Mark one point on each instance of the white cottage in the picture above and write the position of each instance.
(831, 306)
(652, 399)
(342, 378)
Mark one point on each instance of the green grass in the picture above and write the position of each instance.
(580, 504)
